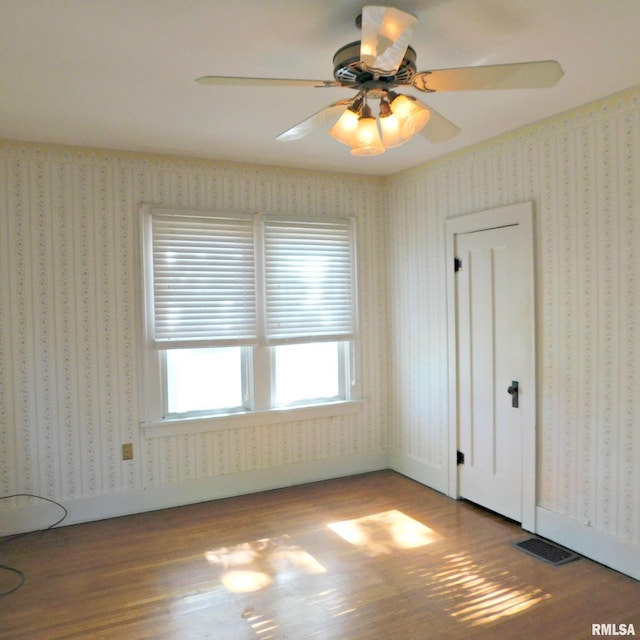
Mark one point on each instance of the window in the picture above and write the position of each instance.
(246, 312)
(203, 380)
(309, 371)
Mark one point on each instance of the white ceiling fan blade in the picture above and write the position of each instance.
(519, 75)
(438, 129)
(318, 119)
(230, 81)
(386, 33)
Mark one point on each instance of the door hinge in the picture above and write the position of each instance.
(457, 264)
(459, 457)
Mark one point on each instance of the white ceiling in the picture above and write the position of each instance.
(120, 73)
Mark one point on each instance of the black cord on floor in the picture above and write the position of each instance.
(21, 578)
(19, 573)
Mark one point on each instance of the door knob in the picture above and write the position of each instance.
(513, 392)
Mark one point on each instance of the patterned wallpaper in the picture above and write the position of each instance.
(70, 312)
(582, 172)
(71, 316)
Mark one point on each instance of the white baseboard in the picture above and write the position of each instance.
(600, 546)
(40, 515)
(432, 477)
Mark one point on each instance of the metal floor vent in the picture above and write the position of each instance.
(546, 551)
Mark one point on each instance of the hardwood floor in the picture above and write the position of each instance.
(376, 556)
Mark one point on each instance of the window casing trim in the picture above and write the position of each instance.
(187, 426)
(258, 401)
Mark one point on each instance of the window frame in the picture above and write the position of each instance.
(258, 366)
(344, 348)
(245, 373)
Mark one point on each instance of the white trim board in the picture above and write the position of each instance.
(597, 545)
(428, 475)
(40, 516)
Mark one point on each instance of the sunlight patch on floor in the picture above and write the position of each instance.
(385, 532)
(264, 627)
(477, 594)
(253, 566)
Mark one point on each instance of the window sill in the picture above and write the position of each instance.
(185, 426)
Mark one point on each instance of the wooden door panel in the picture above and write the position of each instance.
(489, 427)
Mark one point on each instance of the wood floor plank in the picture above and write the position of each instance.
(371, 556)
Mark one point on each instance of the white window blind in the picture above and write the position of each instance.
(308, 279)
(203, 279)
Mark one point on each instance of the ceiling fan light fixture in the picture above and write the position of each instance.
(381, 60)
(344, 130)
(394, 132)
(409, 112)
(367, 142)
(419, 118)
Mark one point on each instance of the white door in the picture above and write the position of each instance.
(494, 366)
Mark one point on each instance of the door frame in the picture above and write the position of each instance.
(510, 215)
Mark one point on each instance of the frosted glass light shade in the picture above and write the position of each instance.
(410, 112)
(419, 118)
(394, 132)
(368, 142)
(344, 130)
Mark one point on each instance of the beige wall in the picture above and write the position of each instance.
(71, 317)
(582, 172)
(70, 321)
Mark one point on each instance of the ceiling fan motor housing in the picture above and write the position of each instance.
(349, 70)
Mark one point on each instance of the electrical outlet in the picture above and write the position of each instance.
(127, 451)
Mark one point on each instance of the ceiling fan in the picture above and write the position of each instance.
(379, 63)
